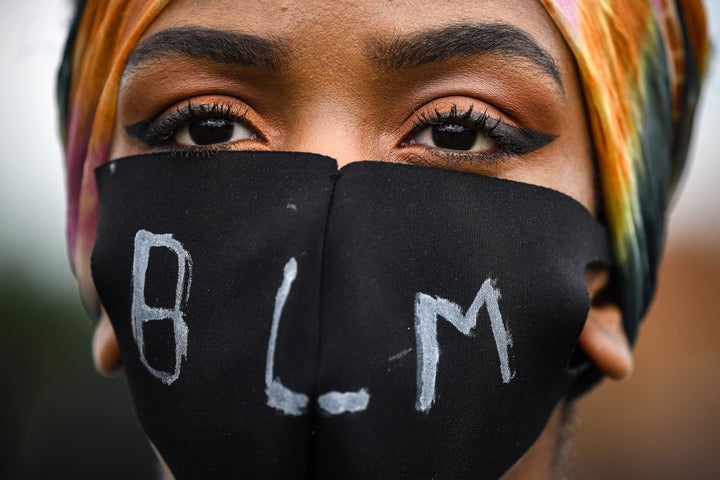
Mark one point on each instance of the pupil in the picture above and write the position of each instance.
(210, 130)
(452, 136)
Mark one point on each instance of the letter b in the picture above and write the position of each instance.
(141, 312)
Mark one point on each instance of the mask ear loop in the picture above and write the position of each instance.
(583, 373)
(579, 362)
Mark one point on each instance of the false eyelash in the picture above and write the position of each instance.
(481, 121)
(159, 133)
(510, 140)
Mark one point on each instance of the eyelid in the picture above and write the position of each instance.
(511, 140)
(453, 115)
(160, 131)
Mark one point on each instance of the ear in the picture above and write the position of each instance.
(603, 339)
(105, 350)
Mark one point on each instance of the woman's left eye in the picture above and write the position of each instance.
(453, 136)
(468, 135)
(211, 131)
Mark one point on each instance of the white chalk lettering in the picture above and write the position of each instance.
(281, 397)
(428, 309)
(141, 312)
(278, 395)
(336, 403)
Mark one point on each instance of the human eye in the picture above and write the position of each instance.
(196, 125)
(467, 135)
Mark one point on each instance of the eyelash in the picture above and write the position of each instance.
(510, 140)
(160, 132)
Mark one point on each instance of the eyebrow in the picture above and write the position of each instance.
(219, 46)
(462, 40)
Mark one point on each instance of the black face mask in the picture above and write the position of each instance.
(279, 318)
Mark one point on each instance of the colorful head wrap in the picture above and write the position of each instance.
(641, 64)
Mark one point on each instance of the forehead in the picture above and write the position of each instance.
(321, 29)
(383, 13)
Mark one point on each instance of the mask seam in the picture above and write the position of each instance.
(313, 409)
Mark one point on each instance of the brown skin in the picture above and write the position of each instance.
(330, 98)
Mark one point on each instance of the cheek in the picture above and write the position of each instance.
(576, 159)
(580, 181)
(122, 145)
(576, 149)
(567, 164)
(571, 172)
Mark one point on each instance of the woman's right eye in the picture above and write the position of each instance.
(212, 131)
(196, 125)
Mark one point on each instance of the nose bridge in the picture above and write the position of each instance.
(329, 102)
(332, 130)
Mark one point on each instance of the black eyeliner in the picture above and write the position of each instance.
(159, 133)
(138, 130)
(519, 141)
(510, 140)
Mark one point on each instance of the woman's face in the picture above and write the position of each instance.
(476, 86)
(485, 87)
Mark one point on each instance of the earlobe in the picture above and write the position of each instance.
(603, 339)
(105, 350)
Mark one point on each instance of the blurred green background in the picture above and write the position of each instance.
(59, 418)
